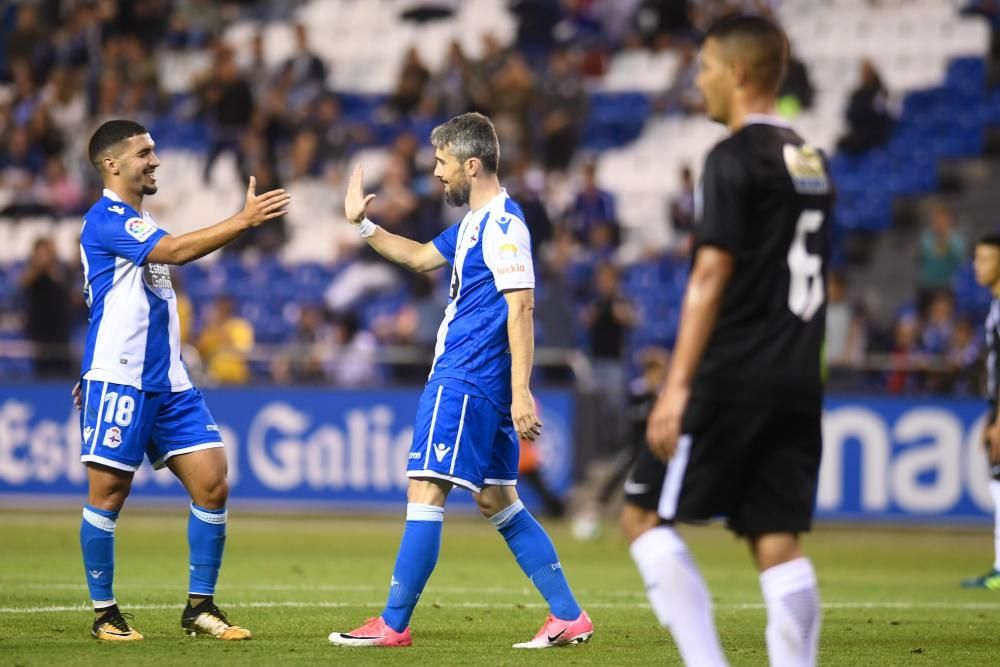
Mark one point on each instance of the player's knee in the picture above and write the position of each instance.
(214, 494)
(635, 521)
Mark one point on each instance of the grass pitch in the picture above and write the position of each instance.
(890, 595)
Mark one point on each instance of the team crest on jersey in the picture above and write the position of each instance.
(474, 235)
(157, 280)
(139, 229)
(113, 437)
(805, 166)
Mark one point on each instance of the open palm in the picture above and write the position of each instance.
(356, 201)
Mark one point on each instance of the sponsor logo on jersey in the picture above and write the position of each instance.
(212, 427)
(512, 269)
(504, 223)
(805, 166)
(113, 437)
(87, 432)
(508, 251)
(414, 455)
(440, 451)
(157, 280)
(139, 229)
(120, 210)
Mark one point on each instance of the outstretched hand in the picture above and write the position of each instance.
(356, 201)
(261, 208)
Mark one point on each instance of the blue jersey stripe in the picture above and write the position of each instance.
(157, 359)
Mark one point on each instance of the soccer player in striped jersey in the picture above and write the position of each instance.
(987, 267)
(477, 401)
(135, 396)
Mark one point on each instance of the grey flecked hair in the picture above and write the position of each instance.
(469, 135)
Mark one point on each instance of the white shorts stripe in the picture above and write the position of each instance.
(675, 477)
(457, 481)
(100, 415)
(117, 465)
(458, 438)
(162, 461)
(430, 435)
(500, 482)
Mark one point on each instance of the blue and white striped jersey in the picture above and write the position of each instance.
(134, 336)
(490, 251)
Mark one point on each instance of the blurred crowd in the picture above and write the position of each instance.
(65, 66)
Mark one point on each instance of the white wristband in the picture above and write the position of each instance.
(366, 228)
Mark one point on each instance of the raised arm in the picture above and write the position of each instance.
(193, 245)
(418, 257)
(521, 336)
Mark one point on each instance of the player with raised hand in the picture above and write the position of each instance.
(135, 396)
(739, 415)
(477, 400)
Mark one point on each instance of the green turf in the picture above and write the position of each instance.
(891, 595)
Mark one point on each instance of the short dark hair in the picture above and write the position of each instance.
(991, 239)
(469, 135)
(762, 42)
(109, 134)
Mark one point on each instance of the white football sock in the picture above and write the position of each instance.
(793, 613)
(995, 492)
(678, 595)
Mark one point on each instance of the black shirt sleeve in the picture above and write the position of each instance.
(725, 186)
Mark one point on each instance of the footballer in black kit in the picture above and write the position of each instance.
(738, 421)
(757, 394)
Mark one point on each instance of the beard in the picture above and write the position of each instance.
(148, 189)
(457, 194)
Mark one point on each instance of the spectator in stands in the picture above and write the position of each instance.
(29, 41)
(512, 95)
(395, 205)
(536, 23)
(450, 86)
(846, 336)
(905, 360)
(868, 119)
(60, 191)
(672, 18)
(20, 161)
(939, 325)
(46, 287)
(796, 91)
(413, 78)
(228, 103)
(941, 255)
(682, 209)
(562, 109)
(65, 103)
(336, 135)
(305, 72)
(526, 185)
(224, 343)
(354, 353)
(963, 357)
(302, 360)
(593, 218)
(683, 95)
(608, 319)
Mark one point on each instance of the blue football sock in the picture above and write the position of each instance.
(536, 555)
(97, 541)
(418, 554)
(206, 540)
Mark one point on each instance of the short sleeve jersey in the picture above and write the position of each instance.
(489, 252)
(133, 335)
(765, 198)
